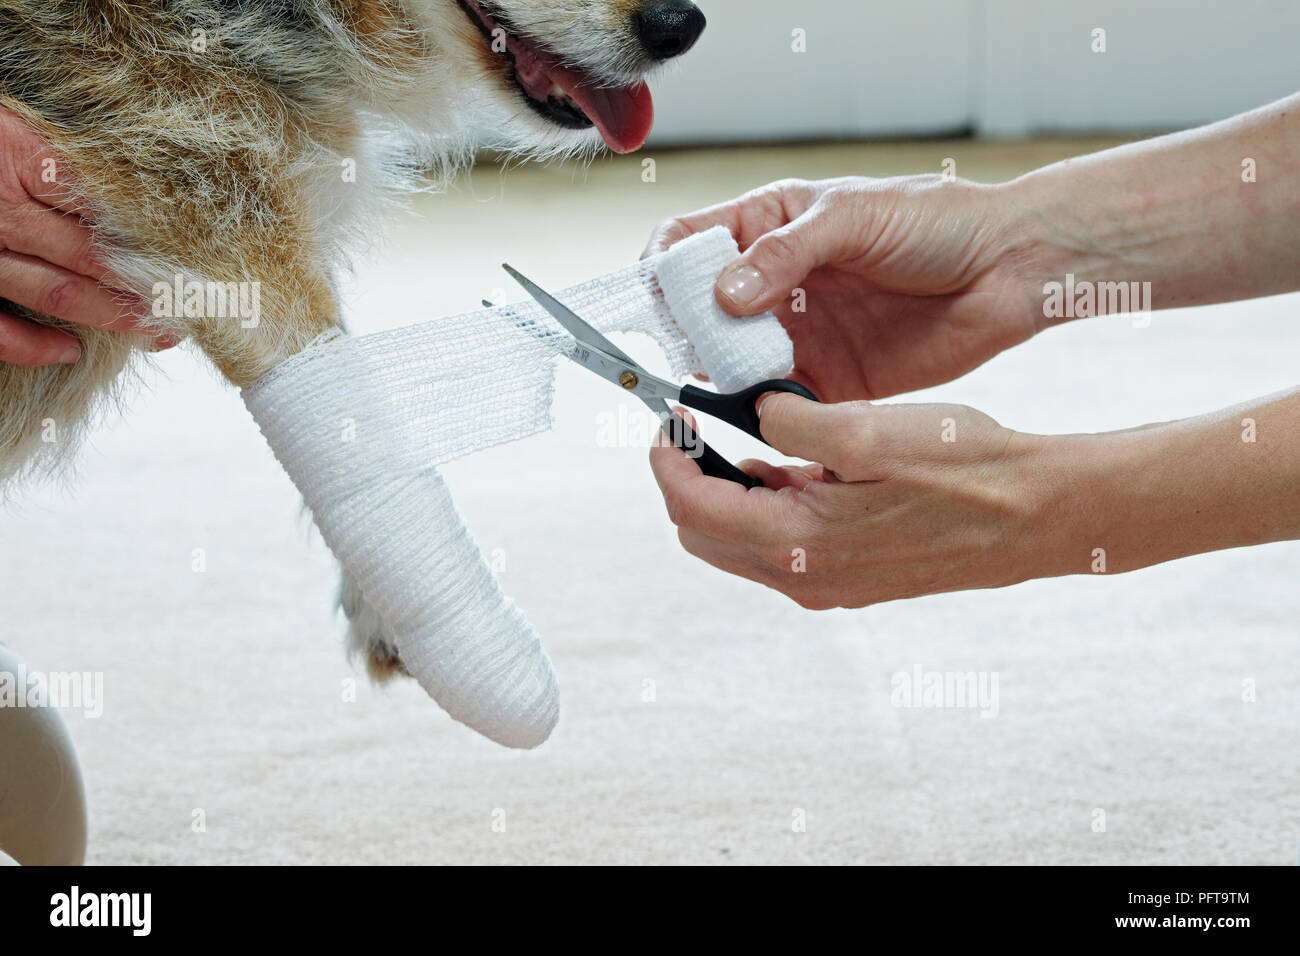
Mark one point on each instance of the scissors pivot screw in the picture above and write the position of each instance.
(628, 380)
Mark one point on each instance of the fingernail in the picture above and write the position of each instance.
(762, 400)
(70, 355)
(742, 285)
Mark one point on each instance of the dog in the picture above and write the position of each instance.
(249, 143)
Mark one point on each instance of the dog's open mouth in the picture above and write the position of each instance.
(567, 96)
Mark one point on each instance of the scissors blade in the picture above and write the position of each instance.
(598, 354)
(574, 325)
(626, 375)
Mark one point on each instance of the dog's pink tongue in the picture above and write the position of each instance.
(623, 114)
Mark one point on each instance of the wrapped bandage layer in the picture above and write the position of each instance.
(734, 353)
(361, 423)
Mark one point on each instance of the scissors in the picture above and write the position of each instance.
(597, 354)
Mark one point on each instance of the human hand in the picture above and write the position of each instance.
(910, 500)
(47, 263)
(907, 282)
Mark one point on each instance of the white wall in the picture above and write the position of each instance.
(1001, 67)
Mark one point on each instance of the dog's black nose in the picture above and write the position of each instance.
(669, 28)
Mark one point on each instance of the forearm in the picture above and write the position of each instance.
(1178, 211)
(1137, 498)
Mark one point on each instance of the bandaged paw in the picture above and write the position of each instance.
(361, 424)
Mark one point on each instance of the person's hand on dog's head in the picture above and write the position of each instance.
(47, 259)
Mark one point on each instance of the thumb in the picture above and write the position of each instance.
(774, 265)
(840, 436)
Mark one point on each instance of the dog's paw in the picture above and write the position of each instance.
(367, 636)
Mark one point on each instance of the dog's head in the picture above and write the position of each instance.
(541, 74)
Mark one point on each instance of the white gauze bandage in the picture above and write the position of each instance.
(361, 423)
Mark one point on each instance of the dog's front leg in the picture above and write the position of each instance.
(419, 594)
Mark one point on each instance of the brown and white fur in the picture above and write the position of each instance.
(209, 137)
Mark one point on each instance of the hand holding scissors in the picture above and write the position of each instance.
(596, 353)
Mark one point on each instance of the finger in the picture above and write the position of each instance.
(770, 269)
(713, 506)
(64, 240)
(40, 171)
(777, 477)
(54, 291)
(673, 231)
(665, 235)
(29, 344)
(736, 560)
(746, 217)
(57, 237)
(725, 557)
(840, 437)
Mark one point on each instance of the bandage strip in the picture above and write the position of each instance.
(360, 424)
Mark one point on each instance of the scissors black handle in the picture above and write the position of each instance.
(710, 462)
(735, 408)
(738, 408)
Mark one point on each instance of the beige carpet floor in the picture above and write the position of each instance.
(225, 691)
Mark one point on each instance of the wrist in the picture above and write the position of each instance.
(1120, 501)
(1097, 505)
(1072, 239)
(1056, 499)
